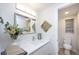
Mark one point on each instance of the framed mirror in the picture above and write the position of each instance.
(26, 23)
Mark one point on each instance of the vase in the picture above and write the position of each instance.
(14, 42)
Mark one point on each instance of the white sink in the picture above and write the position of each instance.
(30, 42)
(30, 46)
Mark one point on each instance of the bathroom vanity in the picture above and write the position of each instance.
(29, 47)
(36, 47)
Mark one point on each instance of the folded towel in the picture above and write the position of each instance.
(14, 50)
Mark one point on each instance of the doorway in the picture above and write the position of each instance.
(68, 18)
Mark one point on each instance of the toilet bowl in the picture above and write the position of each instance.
(67, 44)
(67, 48)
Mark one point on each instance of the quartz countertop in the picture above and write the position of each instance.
(30, 46)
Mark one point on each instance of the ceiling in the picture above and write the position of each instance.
(73, 9)
(38, 6)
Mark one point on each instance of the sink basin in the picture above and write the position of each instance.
(27, 46)
(30, 42)
(30, 46)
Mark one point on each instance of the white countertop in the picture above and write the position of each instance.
(30, 46)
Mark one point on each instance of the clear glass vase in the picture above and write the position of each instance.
(14, 42)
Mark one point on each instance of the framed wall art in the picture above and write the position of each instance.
(45, 26)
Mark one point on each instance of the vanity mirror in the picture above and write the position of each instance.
(26, 23)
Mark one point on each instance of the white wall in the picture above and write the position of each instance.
(63, 35)
(51, 15)
(7, 13)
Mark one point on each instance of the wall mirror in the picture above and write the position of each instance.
(26, 23)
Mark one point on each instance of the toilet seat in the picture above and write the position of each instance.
(68, 43)
(66, 46)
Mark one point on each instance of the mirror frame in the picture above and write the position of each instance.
(34, 25)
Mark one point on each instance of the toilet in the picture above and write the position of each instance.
(67, 44)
